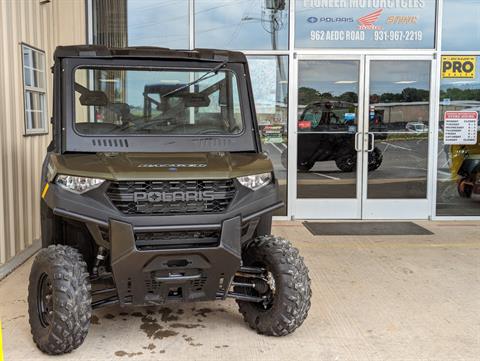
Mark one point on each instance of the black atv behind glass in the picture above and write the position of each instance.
(326, 132)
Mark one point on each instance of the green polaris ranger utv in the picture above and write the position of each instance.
(155, 190)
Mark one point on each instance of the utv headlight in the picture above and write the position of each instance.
(78, 184)
(255, 181)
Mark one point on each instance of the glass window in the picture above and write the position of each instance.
(458, 169)
(327, 120)
(461, 28)
(241, 24)
(120, 23)
(34, 84)
(399, 114)
(365, 24)
(157, 102)
(271, 103)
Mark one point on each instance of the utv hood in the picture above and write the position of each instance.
(160, 166)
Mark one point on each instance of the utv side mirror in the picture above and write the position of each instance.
(94, 98)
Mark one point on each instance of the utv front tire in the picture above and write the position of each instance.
(290, 300)
(347, 163)
(59, 300)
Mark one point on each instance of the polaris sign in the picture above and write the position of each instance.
(157, 197)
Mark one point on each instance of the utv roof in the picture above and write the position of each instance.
(147, 52)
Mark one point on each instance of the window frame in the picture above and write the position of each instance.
(40, 91)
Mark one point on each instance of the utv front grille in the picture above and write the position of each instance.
(172, 197)
(176, 239)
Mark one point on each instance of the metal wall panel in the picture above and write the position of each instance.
(43, 26)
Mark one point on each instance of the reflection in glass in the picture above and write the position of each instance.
(327, 123)
(120, 23)
(398, 123)
(241, 24)
(271, 103)
(461, 28)
(458, 165)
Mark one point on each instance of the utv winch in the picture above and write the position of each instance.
(155, 189)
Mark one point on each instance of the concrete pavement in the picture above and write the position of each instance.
(374, 298)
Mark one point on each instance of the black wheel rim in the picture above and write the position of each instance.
(45, 300)
(267, 278)
(272, 289)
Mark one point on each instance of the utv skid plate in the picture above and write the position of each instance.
(155, 277)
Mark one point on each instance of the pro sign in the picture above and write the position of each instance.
(459, 66)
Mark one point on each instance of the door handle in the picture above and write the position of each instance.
(356, 142)
(372, 146)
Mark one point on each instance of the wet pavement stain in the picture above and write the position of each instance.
(150, 326)
(109, 316)
(129, 354)
(186, 325)
(167, 314)
(161, 351)
(164, 333)
(203, 312)
(150, 346)
(94, 320)
(190, 340)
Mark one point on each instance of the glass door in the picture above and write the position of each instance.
(396, 142)
(363, 141)
(329, 127)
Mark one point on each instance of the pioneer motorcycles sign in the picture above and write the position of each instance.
(365, 24)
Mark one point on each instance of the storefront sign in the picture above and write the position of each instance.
(460, 128)
(459, 66)
(273, 134)
(365, 23)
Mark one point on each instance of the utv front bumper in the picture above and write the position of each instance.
(159, 259)
(157, 276)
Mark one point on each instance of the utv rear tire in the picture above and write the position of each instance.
(346, 163)
(375, 159)
(59, 300)
(291, 299)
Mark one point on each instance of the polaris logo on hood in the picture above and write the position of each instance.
(172, 165)
(157, 197)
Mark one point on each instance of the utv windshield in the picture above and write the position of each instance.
(156, 102)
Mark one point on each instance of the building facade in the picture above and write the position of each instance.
(351, 95)
(29, 32)
(368, 108)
